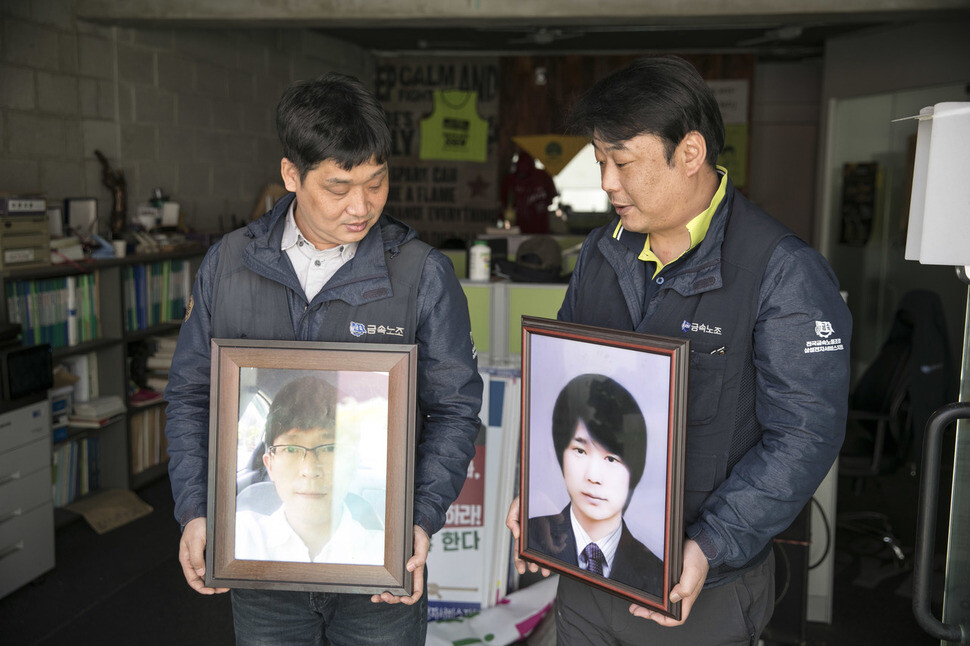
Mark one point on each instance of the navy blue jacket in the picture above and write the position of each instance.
(768, 382)
(449, 386)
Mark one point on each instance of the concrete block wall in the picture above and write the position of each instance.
(185, 109)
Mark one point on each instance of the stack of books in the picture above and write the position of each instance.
(158, 364)
(96, 412)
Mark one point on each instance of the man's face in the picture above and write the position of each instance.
(649, 195)
(336, 206)
(304, 484)
(598, 482)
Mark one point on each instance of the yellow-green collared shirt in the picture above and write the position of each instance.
(697, 227)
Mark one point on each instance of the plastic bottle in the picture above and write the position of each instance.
(479, 261)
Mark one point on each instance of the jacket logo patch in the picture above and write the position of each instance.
(687, 326)
(824, 330)
(360, 329)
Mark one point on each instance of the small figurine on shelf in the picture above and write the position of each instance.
(115, 181)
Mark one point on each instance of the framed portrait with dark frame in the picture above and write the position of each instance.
(603, 441)
(311, 456)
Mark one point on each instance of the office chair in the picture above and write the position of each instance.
(879, 429)
(910, 377)
(913, 374)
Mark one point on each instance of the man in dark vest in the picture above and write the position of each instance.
(324, 264)
(689, 256)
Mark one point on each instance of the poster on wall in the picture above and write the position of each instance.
(732, 98)
(443, 116)
(457, 573)
(860, 187)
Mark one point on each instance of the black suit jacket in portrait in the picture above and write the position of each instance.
(633, 563)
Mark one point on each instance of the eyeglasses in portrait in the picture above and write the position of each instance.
(311, 447)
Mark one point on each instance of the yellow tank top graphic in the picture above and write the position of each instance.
(454, 131)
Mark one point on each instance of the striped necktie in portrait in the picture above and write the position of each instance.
(594, 558)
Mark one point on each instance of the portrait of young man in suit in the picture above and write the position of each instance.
(600, 440)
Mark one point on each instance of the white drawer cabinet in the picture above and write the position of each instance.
(20, 426)
(26, 511)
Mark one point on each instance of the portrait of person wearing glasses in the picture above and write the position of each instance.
(600, 439)
(310, 463)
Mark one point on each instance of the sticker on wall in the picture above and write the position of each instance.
(454, 131)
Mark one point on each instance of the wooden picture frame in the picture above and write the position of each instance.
(604, 416)
(368, 452)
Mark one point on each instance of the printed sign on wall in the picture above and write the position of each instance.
(732, 98)
(442, 196)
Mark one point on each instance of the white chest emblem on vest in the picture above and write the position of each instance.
(360, 329)
(687, 326)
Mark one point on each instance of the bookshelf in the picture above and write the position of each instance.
(117, 303)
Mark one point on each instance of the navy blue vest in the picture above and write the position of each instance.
(262, 301)
(718, 320)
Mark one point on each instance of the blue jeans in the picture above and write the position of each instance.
(280, 617)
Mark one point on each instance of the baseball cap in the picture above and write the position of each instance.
(537, 260)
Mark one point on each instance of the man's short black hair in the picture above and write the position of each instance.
(305, 403)
(332, 117)
(611, 415)
(662, 96)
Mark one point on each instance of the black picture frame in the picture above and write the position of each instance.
(241, 367)
(560, 360)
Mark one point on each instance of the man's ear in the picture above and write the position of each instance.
(290, 174)
(693, 152)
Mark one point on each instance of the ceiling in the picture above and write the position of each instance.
(769, 28)
(766, 38)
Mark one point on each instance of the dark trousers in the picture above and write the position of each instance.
(734, 613)
(284, 618)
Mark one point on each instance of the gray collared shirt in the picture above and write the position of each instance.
(312, 266)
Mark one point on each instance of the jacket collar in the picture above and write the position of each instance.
(699, 272)
(362, 280)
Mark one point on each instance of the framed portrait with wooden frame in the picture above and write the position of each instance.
(603, 441)
(311, 456)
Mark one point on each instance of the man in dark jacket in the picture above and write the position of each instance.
(688, 256)
(325, 265)
(600, 439)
